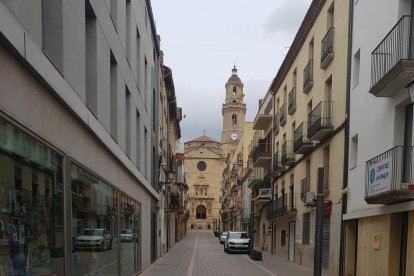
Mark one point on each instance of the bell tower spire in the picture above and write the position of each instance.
(233, 112)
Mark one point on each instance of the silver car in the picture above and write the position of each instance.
(236, 242)
(94, 239)
(223, 237)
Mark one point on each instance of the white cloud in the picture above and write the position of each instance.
(287, 17)
(202, 39)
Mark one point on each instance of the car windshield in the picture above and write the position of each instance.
(93, 232)
(126, 231)
(224, 234)
(238, 235)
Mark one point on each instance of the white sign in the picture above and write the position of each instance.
(264, 193)
(379, 177)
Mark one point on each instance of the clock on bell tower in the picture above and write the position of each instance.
(233, 112)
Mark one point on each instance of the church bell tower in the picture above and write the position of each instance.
(233, 112)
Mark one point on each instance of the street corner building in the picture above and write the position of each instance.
(79, 156)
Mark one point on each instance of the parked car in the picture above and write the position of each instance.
(236, 242)
(223, 237)
(127, 235)
(94, 239)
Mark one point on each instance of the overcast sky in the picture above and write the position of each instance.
(201, 40)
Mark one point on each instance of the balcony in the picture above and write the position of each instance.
(277, 164)
(292, 101)
(282, 116)
(327, 52)
(262, 121)
(392, 62)
(320, 122)
(276, 124)
(261, 154)
(283, 205)
(301, 143)
(288, 156)
(308, 77)
(389, 177)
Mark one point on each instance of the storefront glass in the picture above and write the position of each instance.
(94, 225)
(31, 205)
(130, 228)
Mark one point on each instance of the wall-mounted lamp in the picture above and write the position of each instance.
(170, 178)
(410, 90)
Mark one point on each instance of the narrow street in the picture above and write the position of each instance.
(200, 253)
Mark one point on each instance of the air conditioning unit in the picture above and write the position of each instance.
(310, 199)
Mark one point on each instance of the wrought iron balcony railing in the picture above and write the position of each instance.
(308, 77)
(276, 124)
(282, 112)
(327, 52)
(389, 177)
(320, 122)
(277, 164)
(292, 101)
(392, 61)
(301, 143)
(261, 154)
(288, 156)
(304, 188)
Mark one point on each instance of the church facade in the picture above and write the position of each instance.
(206, 159)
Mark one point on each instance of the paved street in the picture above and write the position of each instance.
(200, 253)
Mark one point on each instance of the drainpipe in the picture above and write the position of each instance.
(344, 198)
(272, 185)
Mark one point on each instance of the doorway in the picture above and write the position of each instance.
(292, 234)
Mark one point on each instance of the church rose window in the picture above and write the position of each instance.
(201, 166)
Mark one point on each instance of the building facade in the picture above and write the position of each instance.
(203, 167)
(379, 216)
(171, 163)
(299, 129)
(78, 127)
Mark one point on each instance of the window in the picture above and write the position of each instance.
(234, 119)
(355, 74)
(234, 90)
(354, 152)
(128, 121)
(201, 212)
(102, 199)
(138, 60)
(283, 238)
(128, 29)
(52, 31)
(113, 79)
(113, 10)
(306, 229)
(139, 148)
(91, 58)
(201, 166)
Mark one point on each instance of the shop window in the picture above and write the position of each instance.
(94, 224)
(130, 230)
(31, 206)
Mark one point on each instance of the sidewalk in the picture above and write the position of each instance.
(201, 254)
(280, 266)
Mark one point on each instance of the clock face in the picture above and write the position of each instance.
(233, 136)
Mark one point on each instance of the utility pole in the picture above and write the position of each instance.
(317, 260)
